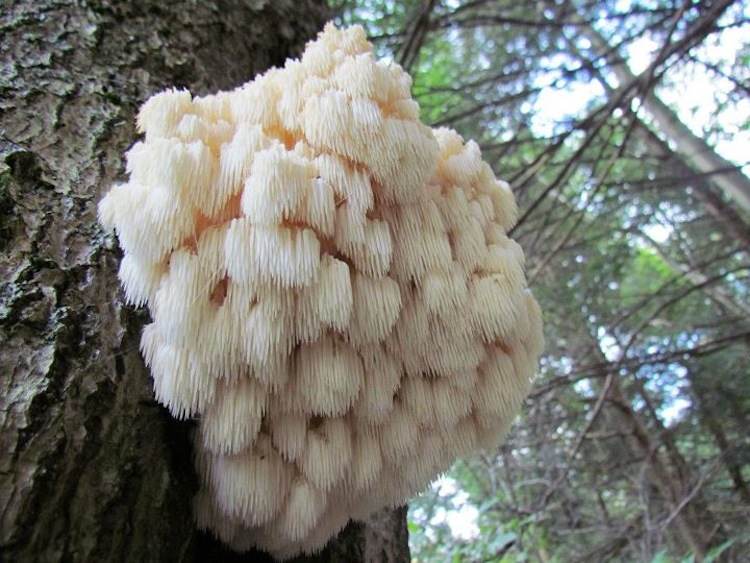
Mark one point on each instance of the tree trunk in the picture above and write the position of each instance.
(711, 415)
(727, 176)
(670, 473)
(727, 218)
(91, 468)
(694, 527)
(717, 293)
(708, 190)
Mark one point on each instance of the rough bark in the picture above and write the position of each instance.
(91, 468)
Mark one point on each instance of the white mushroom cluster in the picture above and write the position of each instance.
(333, 292)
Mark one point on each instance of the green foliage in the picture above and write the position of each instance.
(713, 555)
(646, 273)
(433, 76)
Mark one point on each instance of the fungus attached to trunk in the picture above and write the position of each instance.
(333, 292)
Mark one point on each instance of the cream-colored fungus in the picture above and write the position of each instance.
(333, 292)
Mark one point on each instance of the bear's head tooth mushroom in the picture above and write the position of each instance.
(333, 292)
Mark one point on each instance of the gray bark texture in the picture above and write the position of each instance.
(91, 467)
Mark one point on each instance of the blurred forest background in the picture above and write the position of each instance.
(623, 127)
